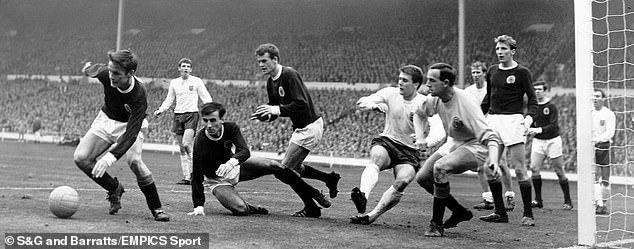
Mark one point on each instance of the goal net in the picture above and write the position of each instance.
(604, 44)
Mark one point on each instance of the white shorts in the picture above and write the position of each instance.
(309, 136)
(110, 129)
(234, 178)
(550, 147)
(509, 126)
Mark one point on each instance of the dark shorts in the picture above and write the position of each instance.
(184, 121)
(602, 153)
(399, 154)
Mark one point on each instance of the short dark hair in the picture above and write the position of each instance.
(270, 48)
(601, 91)
(447, 72)
(541, 83)
(416, 73)
(507, 39)
(185, 60)
(124, 58)
(479, 64)
(211, 107)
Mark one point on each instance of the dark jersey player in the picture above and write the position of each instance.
(214, 159)
(119, 121)
(547, 143)
(289, 97)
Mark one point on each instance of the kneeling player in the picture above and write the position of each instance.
(213, 158)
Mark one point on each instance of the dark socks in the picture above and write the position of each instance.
(566, 190)
(303, 190)
(525, 190)
(537, 185)
(106, 181)
(312, 173)
(441, 191)
(498, 198)
(151, 196)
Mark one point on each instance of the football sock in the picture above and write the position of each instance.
(605, 193)
(369, 178)
(312, 173)
(190, 166)
(537, 185)
(441, 192)
(487, 196)
(566, 190)
(151, 195)
(106, 181)
(301, 188)
(184, 166)
(498, 198)
(525, 190)
(598, 194)
(390, 198)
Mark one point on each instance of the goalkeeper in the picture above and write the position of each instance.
(213, 157)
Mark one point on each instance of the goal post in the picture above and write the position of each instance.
(584, 87)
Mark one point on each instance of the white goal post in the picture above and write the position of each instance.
(584, 87)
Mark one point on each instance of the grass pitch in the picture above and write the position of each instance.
(31, 171)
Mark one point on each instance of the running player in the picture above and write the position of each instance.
(393, 148)
(119, 121)
(289, 97)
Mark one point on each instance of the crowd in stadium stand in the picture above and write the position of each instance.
(68, 109)
(366, 47)
(321, 39)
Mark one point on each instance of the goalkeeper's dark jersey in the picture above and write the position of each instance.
(548, 119)
(124, 106)
(209, 154)
(291, 94)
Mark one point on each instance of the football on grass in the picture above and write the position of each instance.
(63, 201)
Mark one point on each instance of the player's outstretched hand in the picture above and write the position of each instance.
(200, 210)
(103, 164)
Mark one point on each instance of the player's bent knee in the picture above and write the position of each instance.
(401, 184)
(145, 180)
(238, 209)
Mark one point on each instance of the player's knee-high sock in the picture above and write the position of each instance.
(598, 194)
(605, 192)
(190, 166)
(537, 185)
(106, 181)
(369, 178)
(301, 188)
(441, 192)
(185, 166)
(312, 173)
(452, 204)
(525, 190)
(147, 186)
(390, 198)
(566, 190)
(498, 198)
